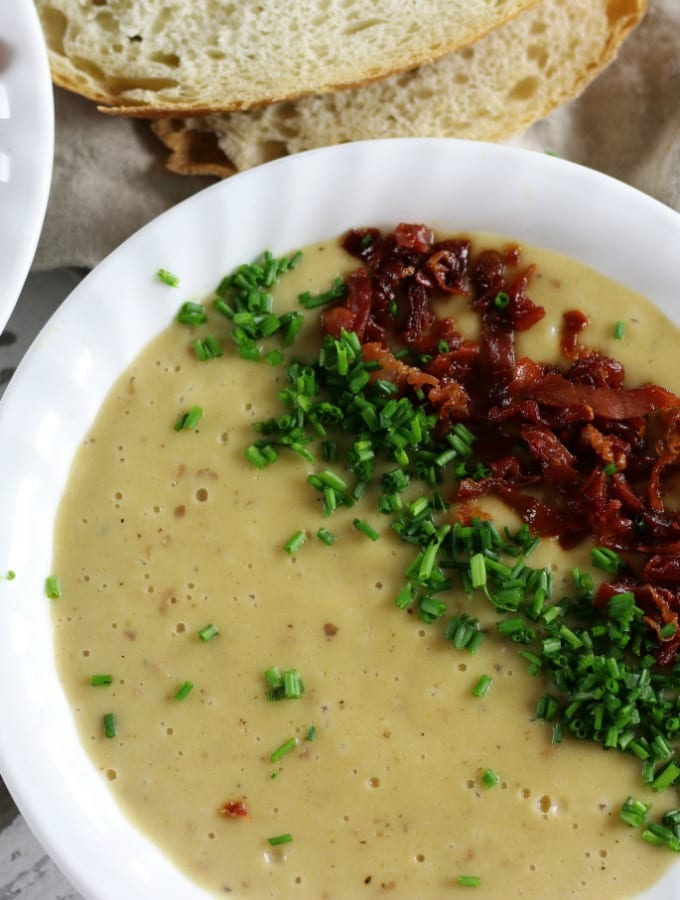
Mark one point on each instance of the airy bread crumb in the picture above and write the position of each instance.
(162, 57)
(490, 91)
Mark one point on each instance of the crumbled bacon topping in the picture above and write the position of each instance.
(234, 809)
(592, 452)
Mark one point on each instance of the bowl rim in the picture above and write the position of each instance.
(543, 200)
(26, 144)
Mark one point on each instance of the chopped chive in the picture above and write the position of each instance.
(366, 529)
(292, 325)
(606, 559)
(223, 308)
(167, 277)
(53, 587)
(257, 456)
(285, 748)
(546, 707)
(293, 687)
(184, 691)
(274, 677)
(208, 348)
(294, 543)
(11, 575)
(405, 596)
(99, 680)
(274, 357)
(660, 836)
(610, 469)
(191, 313)
(501, 300)
(280, 839)
(478, 570)
(311, 734)
(313, 301)
(190, 419)
(208, 632)
(665, 778)
(634, 812)
(469, 880)
(288, 686)
(618, 331)
(490, 778)
(110, 725)
(482, 687)
(325, 536)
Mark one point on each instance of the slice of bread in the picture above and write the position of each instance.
(185, 57)
(488, 91)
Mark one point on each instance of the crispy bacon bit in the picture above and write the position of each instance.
(488, 274)
(355, 313)
(419, 317)
(571, 449)
(414, 237)
(573, 323)
(394, 370)
(448, 266)
(524, 314)
(234, 809)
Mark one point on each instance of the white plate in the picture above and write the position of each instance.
(59, 387)
(26, 144)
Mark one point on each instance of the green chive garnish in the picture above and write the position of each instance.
(325, 536)
(490, 778)
(208, 348)
(293, 687)
(52, 587)
(190, 419)
(100, 680)
(285, 748)
(478, 570)
(191, 313)
(184, 691)
(469, 881)
(110, 725)
(666, 777)
(366, 529)
(286, 686)
(482, 687)
(634, 812)
(167, 277)
(274, 357)
(208, 632)
(294, 543)
(606, 559)
(280, 839)
(618, 331)
(274, 677)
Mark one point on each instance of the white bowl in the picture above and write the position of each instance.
(121, 305)
(26, 144)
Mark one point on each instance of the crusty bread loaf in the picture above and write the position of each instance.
(182, 57)
(488, 91)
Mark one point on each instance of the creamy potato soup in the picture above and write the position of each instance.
(393, 774)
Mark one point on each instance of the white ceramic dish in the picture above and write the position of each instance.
(26, 144)
(59, 387)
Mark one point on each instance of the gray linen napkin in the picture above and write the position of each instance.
(109, 177)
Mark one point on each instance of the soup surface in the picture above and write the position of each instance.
(163, 532)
